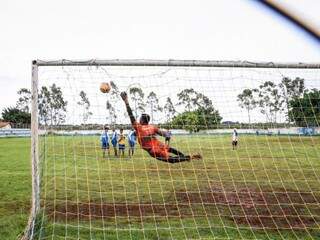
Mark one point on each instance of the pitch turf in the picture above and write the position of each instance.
(267, 189)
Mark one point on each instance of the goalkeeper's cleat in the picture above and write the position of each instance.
(196, 157)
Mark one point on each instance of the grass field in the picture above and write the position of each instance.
(267, 189)
(15, 186)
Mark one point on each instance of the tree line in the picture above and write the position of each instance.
(198, 110)
(301, 106)
(52, 107)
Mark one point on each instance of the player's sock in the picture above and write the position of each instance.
(175, 159)
(176, 152)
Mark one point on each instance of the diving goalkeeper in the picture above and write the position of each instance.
(146, 135)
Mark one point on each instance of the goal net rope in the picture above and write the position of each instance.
(256, 127)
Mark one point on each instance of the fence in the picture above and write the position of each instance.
(15, 132)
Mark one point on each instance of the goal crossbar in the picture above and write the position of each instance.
(175, 63)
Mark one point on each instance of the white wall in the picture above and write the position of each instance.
(274, 131)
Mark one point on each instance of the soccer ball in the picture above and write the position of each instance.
(105, 87)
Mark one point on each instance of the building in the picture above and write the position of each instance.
(5, 125)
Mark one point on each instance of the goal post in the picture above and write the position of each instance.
(35, 196)
(76, 193)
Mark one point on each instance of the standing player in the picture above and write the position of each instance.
(121, 143)
(114, 141)
(131, 141)
(146, 134)
(168, 137)
(234, 139)
(105, 142)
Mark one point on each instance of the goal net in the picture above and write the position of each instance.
(227, 150)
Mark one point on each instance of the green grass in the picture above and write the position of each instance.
(85, 196)
(15, 186)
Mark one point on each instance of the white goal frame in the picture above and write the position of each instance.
(35, 202)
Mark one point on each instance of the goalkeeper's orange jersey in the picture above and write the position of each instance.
(146, 135)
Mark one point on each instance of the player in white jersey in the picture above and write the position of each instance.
(234, 139)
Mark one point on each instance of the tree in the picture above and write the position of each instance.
(58, 105)
(247, 101)
(153, 103)
(270, 101)
(15, 115)
(115, 96)
(305, 111)
(52, 106)
(199, 111)
(194, 121)
(291, 89)
(169, 109)
(192, 100)
(44, 105)
(137, 96)
(24, 100)
(115, 93)
(201, 101)
(187, 120)
(187, 98)
(85, 104)
(112, 113)
(209, 116)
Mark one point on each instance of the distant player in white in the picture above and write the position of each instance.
(234, 139)
(167, 137)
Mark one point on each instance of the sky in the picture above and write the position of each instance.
(144, 29)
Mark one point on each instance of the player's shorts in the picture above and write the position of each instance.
(132, 144)
(157, 149)
(234, 143)
(114, 143)
(167, 138)
(122, 146)
(105, 145)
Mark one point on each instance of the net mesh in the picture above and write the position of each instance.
(267, 187)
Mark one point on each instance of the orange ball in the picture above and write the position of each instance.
(105, 87)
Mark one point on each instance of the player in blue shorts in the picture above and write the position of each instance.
(105, 146)
(114, 141)
(132, 138)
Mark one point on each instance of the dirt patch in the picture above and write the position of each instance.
(70, 210)
(272, 209)
(277, 209)
(16, 206)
